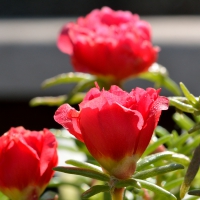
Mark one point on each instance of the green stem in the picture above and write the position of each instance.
(118, 194)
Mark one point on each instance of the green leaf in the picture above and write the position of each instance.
(83, 172)
(196, 127)
(159, 75)
(183, 121)
(49, 101)
(180, 158)
(194, 192)
(181, 106)
(71, 77)
(84, 165)
(148, 160)
(191, 172)
(174, 183)
(191, 145)
(157, 190)
(152, 147)
(158, 170)
(76, 98)
(80, 87)
(191, 98)
(95, 190)
(57, 181)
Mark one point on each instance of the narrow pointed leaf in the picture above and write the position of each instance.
(172, 86)
(49, 101)
(71, 77)
(158, 170)
(152, 147)
(83, 172)
(188, 95)
(191, 172)
(157, 190)
(159, 75)
(76, 98)
(183, 121)
(95, 190)
(182, 106)
(180, 158)
(172, 184)
(194, 192)
(160, 131)
(191, 145)
(196, 127)
(148, 160)
(84, 165)
(80, 87)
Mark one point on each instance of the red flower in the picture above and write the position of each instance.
(116, 126)
(26, 162)
(109, 43)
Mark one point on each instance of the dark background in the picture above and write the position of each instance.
(15, 109)
(59, 8)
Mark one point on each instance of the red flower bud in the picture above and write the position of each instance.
(109, 43)
(116, 126)
(26, 162)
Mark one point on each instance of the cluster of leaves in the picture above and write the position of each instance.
(83, 82)
(158, 175)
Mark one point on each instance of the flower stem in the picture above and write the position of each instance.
(118, 194)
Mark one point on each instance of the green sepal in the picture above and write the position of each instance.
(152, 147)
(191, 98)
(159, 75)
(191, 172)
(157, 190)
(84, 172)
(3, 197)
(158, 170)
(129, 182)
(84, 165)
(49, 101)
(71, 77)
(95, 190)
(181, 106)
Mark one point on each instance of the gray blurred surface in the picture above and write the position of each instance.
(28, 54)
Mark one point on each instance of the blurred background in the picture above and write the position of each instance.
(28, 52)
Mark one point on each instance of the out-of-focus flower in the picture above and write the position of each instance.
(26, 162)
(116, 126)
(116, 44)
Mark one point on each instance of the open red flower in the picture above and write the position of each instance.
(116, 126)
(26, 162)
(109, 43)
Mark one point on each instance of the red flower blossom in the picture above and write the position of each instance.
(26, 162)
(109, 43)
(116, 126)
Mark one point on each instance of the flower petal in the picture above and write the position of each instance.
(68, 117)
